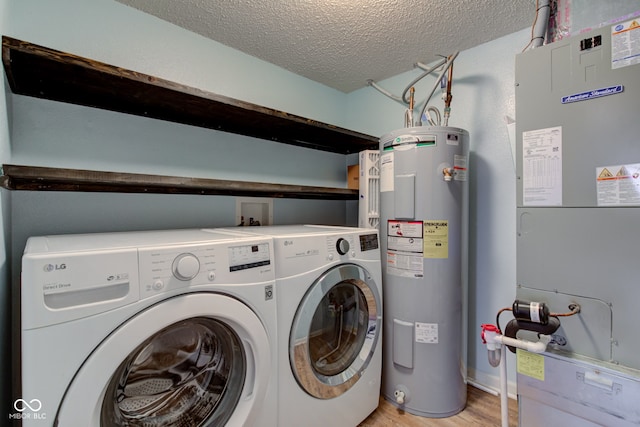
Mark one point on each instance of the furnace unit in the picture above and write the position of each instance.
(578, 224)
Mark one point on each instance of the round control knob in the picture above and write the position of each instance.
(342, 246)
(186, 266)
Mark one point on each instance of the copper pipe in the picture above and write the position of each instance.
(447, 101)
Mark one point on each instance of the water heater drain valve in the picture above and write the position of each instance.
(401, 394)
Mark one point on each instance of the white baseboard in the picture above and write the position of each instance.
(490, 383)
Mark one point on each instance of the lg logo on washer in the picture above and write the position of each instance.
(53, 267)
(28, 410)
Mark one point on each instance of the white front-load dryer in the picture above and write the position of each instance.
(328, 281)
(163, 328)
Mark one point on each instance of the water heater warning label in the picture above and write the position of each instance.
(405, 248)
(410, 242)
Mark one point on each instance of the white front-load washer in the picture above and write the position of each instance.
(162, 328)
(328, 281)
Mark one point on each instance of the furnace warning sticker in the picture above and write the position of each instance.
(404, 249)
(618, 185)
(436, 239)
(625, 44)
(530, 364)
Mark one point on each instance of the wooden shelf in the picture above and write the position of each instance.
(45, 73)
(41, 72)
(31, 178)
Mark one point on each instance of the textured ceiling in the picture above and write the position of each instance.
(344, 43)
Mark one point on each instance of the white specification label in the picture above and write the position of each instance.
(542, 167)
(427, 333)
(386, 172)
(618, 185)
(405, 265)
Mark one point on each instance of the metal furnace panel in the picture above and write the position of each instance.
(563, 85)
(578, 189)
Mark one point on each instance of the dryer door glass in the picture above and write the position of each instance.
(190, 373)
(335, 331)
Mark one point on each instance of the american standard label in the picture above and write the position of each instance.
(596, 93)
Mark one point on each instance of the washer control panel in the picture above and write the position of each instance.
(167, 268)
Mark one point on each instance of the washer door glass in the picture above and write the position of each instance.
(335, 331)
(190, 373)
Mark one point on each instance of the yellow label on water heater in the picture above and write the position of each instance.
(436, 238)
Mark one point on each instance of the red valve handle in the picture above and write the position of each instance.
(490, 328)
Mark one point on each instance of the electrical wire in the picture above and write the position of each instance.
(436, 112)
(445, 64)
(502, 310)
(420, 77)
(385, 92)
(403, 100)
(535, 21)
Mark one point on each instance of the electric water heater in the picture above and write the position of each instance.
(423, 229)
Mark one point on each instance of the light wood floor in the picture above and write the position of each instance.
(482, 409)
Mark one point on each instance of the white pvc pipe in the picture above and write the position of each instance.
(493, 338)
(504, 398)
(533, 347)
